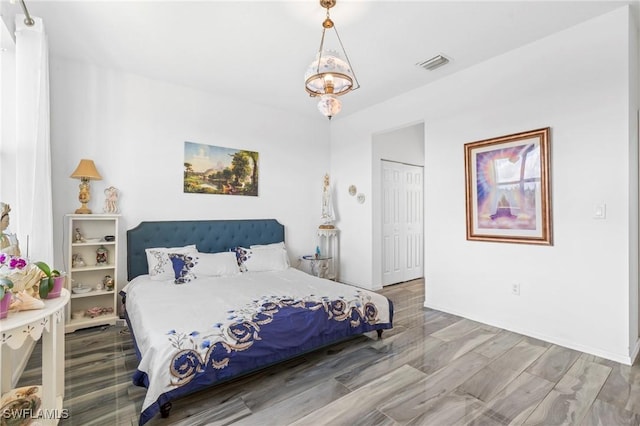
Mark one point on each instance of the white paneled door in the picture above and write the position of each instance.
(402, 222)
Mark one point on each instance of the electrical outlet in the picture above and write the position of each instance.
(515, 289)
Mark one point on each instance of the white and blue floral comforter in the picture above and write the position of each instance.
(210, 330)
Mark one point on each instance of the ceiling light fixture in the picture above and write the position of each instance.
(330, 76)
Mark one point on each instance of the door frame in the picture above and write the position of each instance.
(406, 145)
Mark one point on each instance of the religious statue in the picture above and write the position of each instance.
(327, 217)
(8, 242)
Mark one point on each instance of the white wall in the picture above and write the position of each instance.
(135, 128)
(403, 145)
(575, 293)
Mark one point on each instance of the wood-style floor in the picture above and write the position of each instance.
(433, 368)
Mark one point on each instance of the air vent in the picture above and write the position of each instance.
(433, 63)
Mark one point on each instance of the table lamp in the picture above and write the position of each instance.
(85, 171)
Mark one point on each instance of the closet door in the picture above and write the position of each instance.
(413, 226)
(391, 223)
(402, 222)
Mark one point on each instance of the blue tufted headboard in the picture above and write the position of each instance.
(209, 236)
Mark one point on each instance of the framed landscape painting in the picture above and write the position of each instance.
(212, 169)
(507, 188)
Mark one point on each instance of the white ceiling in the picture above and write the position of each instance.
(259, 50)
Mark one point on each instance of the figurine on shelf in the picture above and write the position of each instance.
(111, 200)
(108, 282)
(77, 261)
(8, 242)
(77, 236)
(102, 256)
(98, 310)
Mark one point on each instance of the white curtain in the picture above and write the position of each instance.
(33, 211)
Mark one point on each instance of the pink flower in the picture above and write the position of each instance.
(14, 262)
(17, 263)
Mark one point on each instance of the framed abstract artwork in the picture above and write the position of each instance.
(210, 169)
(507, 188)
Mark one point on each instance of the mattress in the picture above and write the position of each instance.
(213, 329)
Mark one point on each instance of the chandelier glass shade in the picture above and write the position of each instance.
(329, 105)
(329, 75)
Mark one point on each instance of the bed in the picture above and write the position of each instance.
(229, 305)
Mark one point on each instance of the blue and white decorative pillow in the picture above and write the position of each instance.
(183, 265)
(242, 255)
(160, 266)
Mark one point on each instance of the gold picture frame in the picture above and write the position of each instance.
(507, 188)
(210, 169)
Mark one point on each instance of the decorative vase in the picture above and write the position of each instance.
(102, 256)
(4, 304)
(58, 283)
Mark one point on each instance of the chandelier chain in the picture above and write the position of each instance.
(346, 56)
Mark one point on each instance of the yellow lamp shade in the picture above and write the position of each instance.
(86, 169)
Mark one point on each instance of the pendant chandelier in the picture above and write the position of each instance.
(330, 76)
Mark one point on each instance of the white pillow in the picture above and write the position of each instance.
(160, 266)
(216, 264)
(272, 246)
(265, 259)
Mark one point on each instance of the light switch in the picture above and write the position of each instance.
(600, 211)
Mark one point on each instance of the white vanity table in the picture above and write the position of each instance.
(47, 323)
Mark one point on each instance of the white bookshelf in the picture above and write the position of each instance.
(93, 228)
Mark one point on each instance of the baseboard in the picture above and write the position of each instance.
(627, 360)
(635, 352)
